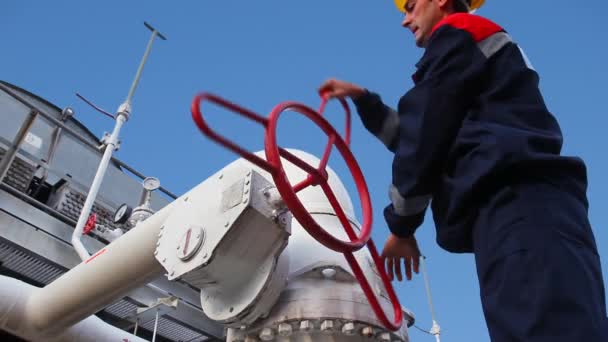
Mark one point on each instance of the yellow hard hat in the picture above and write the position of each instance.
(474, 4)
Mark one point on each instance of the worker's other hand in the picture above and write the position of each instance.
(335, 88)
(397, 249)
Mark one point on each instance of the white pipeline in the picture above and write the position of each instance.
(111, 273)
(14, 296)
(101, 171)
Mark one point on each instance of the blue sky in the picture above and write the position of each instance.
(259, 53)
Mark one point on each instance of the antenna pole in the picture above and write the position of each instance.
(111, 143)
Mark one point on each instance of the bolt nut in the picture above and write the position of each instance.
(348, 328)
(306, 325)
(267, 334)
(328, 273)
(385, 337)
(327, 326)
(285, 329)
(367, 332)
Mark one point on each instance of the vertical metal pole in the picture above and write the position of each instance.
(155, 327)
(122, 116)
(10, 154)
(435, 329)
(136, 326)
(141, 67)
(92, 195)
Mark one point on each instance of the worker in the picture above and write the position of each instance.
(474, 135)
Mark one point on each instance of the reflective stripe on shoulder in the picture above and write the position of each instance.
(494, 43)
(408, 206)
(526, 59)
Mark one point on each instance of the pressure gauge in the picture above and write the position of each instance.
(122, 214)
(151, 183)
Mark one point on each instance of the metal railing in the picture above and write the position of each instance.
(34, 112)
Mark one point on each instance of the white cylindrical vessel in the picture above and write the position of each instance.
(322, 300)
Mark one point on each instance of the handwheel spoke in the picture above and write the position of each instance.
(298, 162)
(303, 184)
(314, 177)
(339, 211)
(325, 158)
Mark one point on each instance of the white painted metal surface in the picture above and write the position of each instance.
(14, 296)
(225, 237)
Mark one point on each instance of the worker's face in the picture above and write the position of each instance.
(421, 16)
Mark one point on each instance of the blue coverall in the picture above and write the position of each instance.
(474, 135)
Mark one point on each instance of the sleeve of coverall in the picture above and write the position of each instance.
(448, 78)
(379, 119)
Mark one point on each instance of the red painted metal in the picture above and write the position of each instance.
(346, 108)
(317, 176)
(202, 125)
(90, 225)
(395, 324)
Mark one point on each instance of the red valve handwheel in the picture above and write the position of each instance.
(316, 176)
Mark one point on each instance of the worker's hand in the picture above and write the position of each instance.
(397, 249)
(340, 89)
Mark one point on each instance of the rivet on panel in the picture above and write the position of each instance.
(226, 224)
